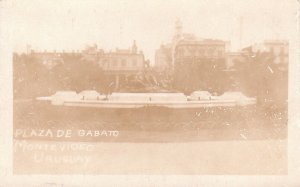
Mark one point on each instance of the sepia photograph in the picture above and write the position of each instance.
(151, 88)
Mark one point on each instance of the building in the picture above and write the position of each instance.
(91, 53)
(163, 57)
(279, 48)
(191, 51)
(191, 61)
(186, 47)
(199, 65)
(52, 58)
(122, 63)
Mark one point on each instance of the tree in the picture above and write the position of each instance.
(255, 74)
(200, 74)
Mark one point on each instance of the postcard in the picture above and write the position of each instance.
(150, 93)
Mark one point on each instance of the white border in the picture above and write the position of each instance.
(7, 179)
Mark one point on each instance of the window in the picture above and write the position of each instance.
(210, 51)
(191, 50)
(200, 51)
(123, 62)
(281, 59)
(220, 53)
(180, 52)
(281, 50)
(134, 62)
(104, 62)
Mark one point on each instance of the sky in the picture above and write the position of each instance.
(72, 24)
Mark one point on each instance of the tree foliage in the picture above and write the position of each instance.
(200, 74)
(70, 72)
(258, 76)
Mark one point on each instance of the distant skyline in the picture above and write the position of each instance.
(71, 25)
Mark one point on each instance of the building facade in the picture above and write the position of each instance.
(122, 63)
(191, 51)
(52, 58)
(163, 57)
(279, 48)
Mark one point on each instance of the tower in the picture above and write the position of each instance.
(134, 47)
(178, 31)
(241, 25)
(177, 37)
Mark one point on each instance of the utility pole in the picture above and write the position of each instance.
(241, 22)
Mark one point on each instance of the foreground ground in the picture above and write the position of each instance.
(202, 142)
